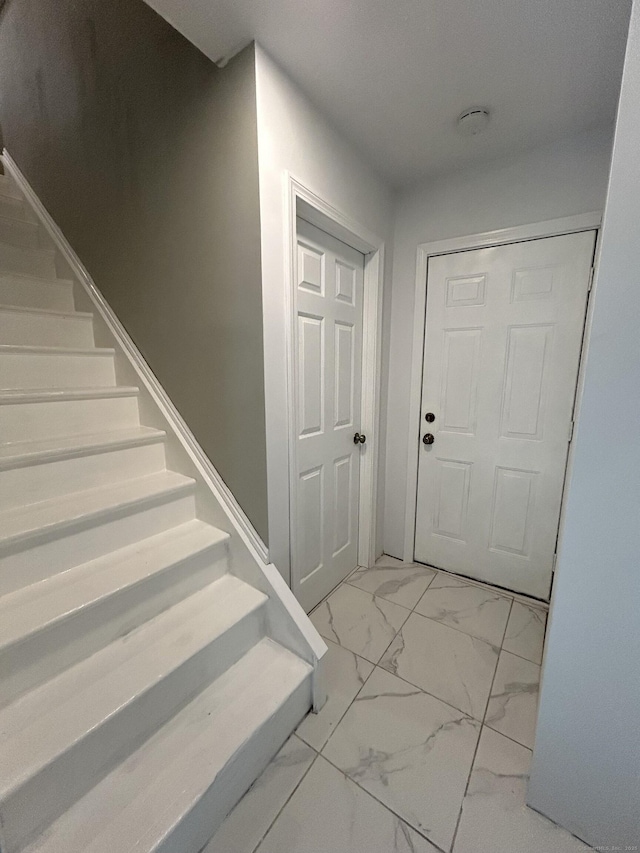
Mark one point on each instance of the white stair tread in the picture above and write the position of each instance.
(46, 722)
(10, 396)
(40, 252)
(32, 349)
(18, 213)
(23, 223)
(48, 312)
(34, 279)
(39, 519)
(9, 196)
(41, 605)
(139, 802)
(13, 201)
(15, 454)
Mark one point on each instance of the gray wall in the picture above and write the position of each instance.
(145, 154)
(586, 768)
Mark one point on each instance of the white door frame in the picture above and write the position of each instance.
(517, 234)
(301, 201)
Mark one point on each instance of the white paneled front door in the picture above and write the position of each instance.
(503, 337)
(328, 369)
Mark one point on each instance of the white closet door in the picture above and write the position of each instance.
(328, 370)
(503, 337)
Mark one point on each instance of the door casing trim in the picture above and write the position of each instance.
(300, 200)
(503, 236)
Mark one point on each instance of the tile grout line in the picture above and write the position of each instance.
(335, 589)
(522, 657)
(459, 630)
(431, 695)
(286, 802)
(393, 639)
(376, 665)
(506, 596)
(497, 591)
(417, 686)
(544, 637)
(384, 598)
(319, 751)
(413, 610)
(428, 587)
(346, 776)
(373, 596)
(457, 710)
(348, 581)
(329, 594)
(384, 805)
(363, 591)
(460, 582)
(475, 752)
(539, 666)
(508, 737)
(521, 597)
(500, 649)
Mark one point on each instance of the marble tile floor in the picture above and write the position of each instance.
(425, 741)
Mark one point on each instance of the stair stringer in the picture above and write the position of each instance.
(286, 621)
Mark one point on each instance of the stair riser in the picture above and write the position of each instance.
(24, 371)
(33, 563)
(79, 635)
(31, 293)
(45, 330)
(19, 233)
(62, 477)
(207, 814)
(27, 262)
(41, 799)
(32, 421)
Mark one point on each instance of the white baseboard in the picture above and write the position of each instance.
(175, 419)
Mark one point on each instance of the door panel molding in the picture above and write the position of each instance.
(527, 286)
(302, 201)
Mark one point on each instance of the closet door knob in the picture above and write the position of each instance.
(427, 438)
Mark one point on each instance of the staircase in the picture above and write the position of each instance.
(141, 689)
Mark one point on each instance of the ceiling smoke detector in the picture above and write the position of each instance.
(473, 121)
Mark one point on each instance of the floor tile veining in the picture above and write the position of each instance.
(410, 750)
(514, 699)
(425, 742)
(401, 585)
(471, 609)
(360, 621)
(452, 666)
(525, 632)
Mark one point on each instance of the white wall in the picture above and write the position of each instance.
(293, 137)
(558, 180)
(586, 768)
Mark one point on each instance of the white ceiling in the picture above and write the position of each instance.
(393, 75)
